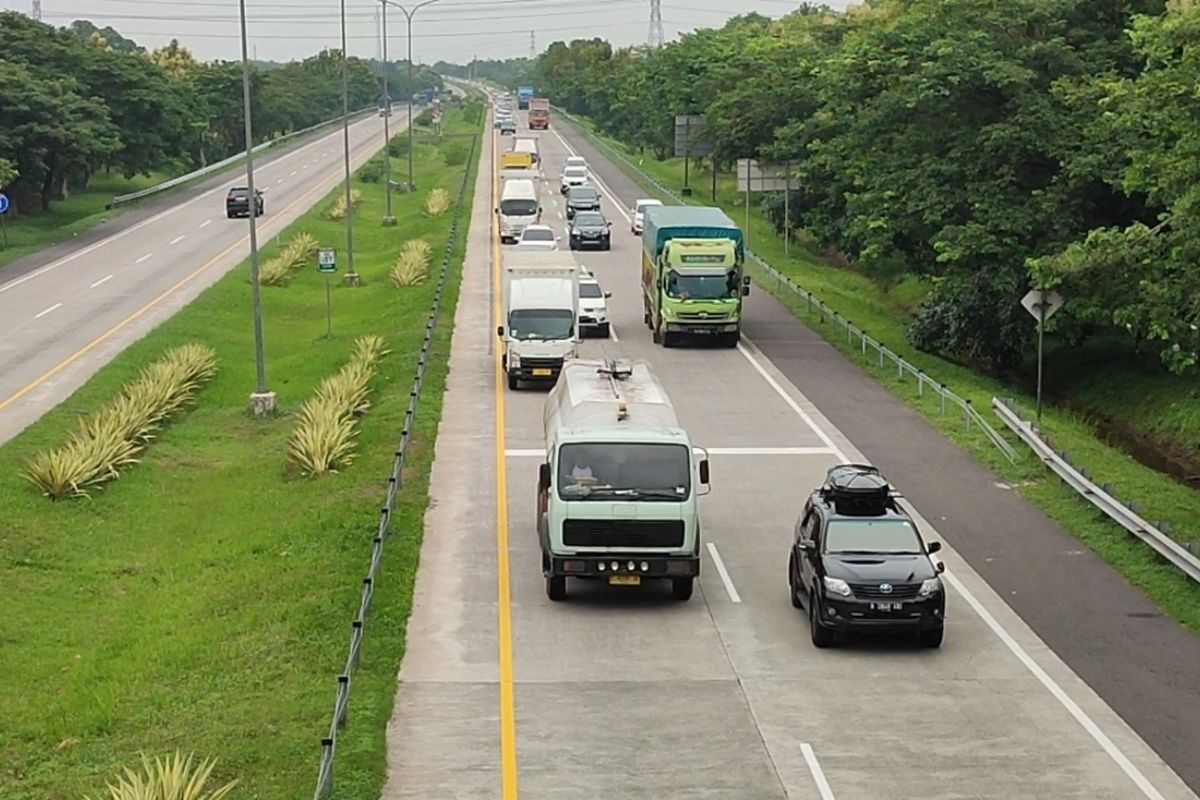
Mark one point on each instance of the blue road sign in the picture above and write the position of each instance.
(3, 203)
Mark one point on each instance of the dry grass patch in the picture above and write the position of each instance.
(437, 202)
(109, 440)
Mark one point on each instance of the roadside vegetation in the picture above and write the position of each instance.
(90, 114)
(947, 158)
(202, 603)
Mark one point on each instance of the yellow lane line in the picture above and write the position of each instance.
(508, 729)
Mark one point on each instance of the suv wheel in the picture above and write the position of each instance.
(932, 638)
(821, 637)
(792, 583)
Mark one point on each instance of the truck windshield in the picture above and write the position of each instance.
(625, 471)
(541, 323)
(702, 287)
(518, 208)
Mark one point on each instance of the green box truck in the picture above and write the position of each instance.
(692, 281)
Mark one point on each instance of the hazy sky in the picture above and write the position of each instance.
(450, 30)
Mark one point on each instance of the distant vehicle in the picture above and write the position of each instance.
(524, 95)
(593, 307)
(638, 214)
(538, 237)
(539, 114)
(590, 229)
(582, 198)
(574, 161)
(858, 562)
(237, 202)
(572, 176)
(508, 125)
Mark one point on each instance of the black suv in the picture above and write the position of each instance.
(858, 562)
(582, 198)
(590, 228)
(237, 202)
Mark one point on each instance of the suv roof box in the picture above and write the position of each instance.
(857, 489)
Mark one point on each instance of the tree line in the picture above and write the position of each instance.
(990, 146)
(77, 101)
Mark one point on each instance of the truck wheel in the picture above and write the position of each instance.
(604, 330)
(513, 382)
(732, 339)
(556, 587)
(668, 339)
(656, 335)
(681, 588)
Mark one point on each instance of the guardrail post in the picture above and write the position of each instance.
(942, 394)
(920, 383)
(849, 333)
(967, 413)
(863, 339)
(343, 694)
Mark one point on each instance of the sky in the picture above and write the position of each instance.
(447, 30)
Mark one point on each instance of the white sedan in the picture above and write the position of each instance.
(538, 237)
(593, 307)
(638, 213)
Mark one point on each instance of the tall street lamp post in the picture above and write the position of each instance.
(262, 401)
(351, 275)
(388, 219)
(408, 16)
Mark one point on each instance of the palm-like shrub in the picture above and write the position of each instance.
(412, 264)
(437, 202)
(172, 778)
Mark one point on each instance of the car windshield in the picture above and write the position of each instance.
(541, 323)
(702, 287)
(583, 195)
(590, 290)
(625, 471)
(575, 172)
(537, 235)
(879, 536)
(518, 208)
(589, 220)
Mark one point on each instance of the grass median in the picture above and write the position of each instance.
(203, 601)
(885, 314)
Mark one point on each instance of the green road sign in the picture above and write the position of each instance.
(326, 261)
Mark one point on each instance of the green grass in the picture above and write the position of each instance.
(884, 314)
(203, 601)
(83, 209)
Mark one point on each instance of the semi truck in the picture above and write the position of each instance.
(692, 281)
(524, 93)
(539, 113)
(616, 495)
(541, 315)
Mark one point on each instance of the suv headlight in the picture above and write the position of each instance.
(930, 587)
(837, 586)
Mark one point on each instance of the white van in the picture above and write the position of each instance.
(518, 207)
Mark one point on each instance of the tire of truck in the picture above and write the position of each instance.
(732, 339)
(605, 330)
(556, 587)
(656, 336)
(513, 382)
(669, 339)
(681, 588)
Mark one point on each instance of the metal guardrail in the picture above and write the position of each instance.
(395, 483)
(149, 191)
(790, 290)
(1098, 495)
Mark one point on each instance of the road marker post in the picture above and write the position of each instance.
(327, 266)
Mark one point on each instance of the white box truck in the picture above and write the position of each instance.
(540, 330)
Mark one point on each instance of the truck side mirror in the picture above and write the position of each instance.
(543, 477)
(745, 291)
(500, 331)
(704, 471)
(746, 280)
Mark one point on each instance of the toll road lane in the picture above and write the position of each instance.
(627, 693)
(113, 291)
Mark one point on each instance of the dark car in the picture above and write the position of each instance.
(858, 562)
(237, 202)
(582, 198)
(590, 229)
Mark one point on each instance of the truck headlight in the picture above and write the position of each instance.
(930, 587)
(837, 586)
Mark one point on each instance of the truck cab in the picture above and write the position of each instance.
(617, 493)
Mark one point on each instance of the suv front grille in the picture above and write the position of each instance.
(900, 591)
(622, 533)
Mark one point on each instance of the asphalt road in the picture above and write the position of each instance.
(65, 314)
(630, 694)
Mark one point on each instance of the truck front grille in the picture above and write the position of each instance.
(622, 533)
(703, 316)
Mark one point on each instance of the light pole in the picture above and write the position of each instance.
(389, 219)
(351, 275)
(262, 401)
(408, 16)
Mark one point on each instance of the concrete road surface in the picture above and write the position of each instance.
(627, 693)
(61, 321)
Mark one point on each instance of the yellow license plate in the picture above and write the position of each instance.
(625, 580)
(541, 373)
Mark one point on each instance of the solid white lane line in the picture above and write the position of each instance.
(725, 579)
(102, 280)
(1085, 721)
(44, 312)
(178, 239)
(202, 224)
(143, 258)
(814, 766)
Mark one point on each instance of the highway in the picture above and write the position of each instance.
(61, 320)
(631, 694)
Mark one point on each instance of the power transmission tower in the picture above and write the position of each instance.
(37, 10)
(656, 36)
(532, 47)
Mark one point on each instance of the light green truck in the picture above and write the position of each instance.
(616, 499)
(692, 281)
